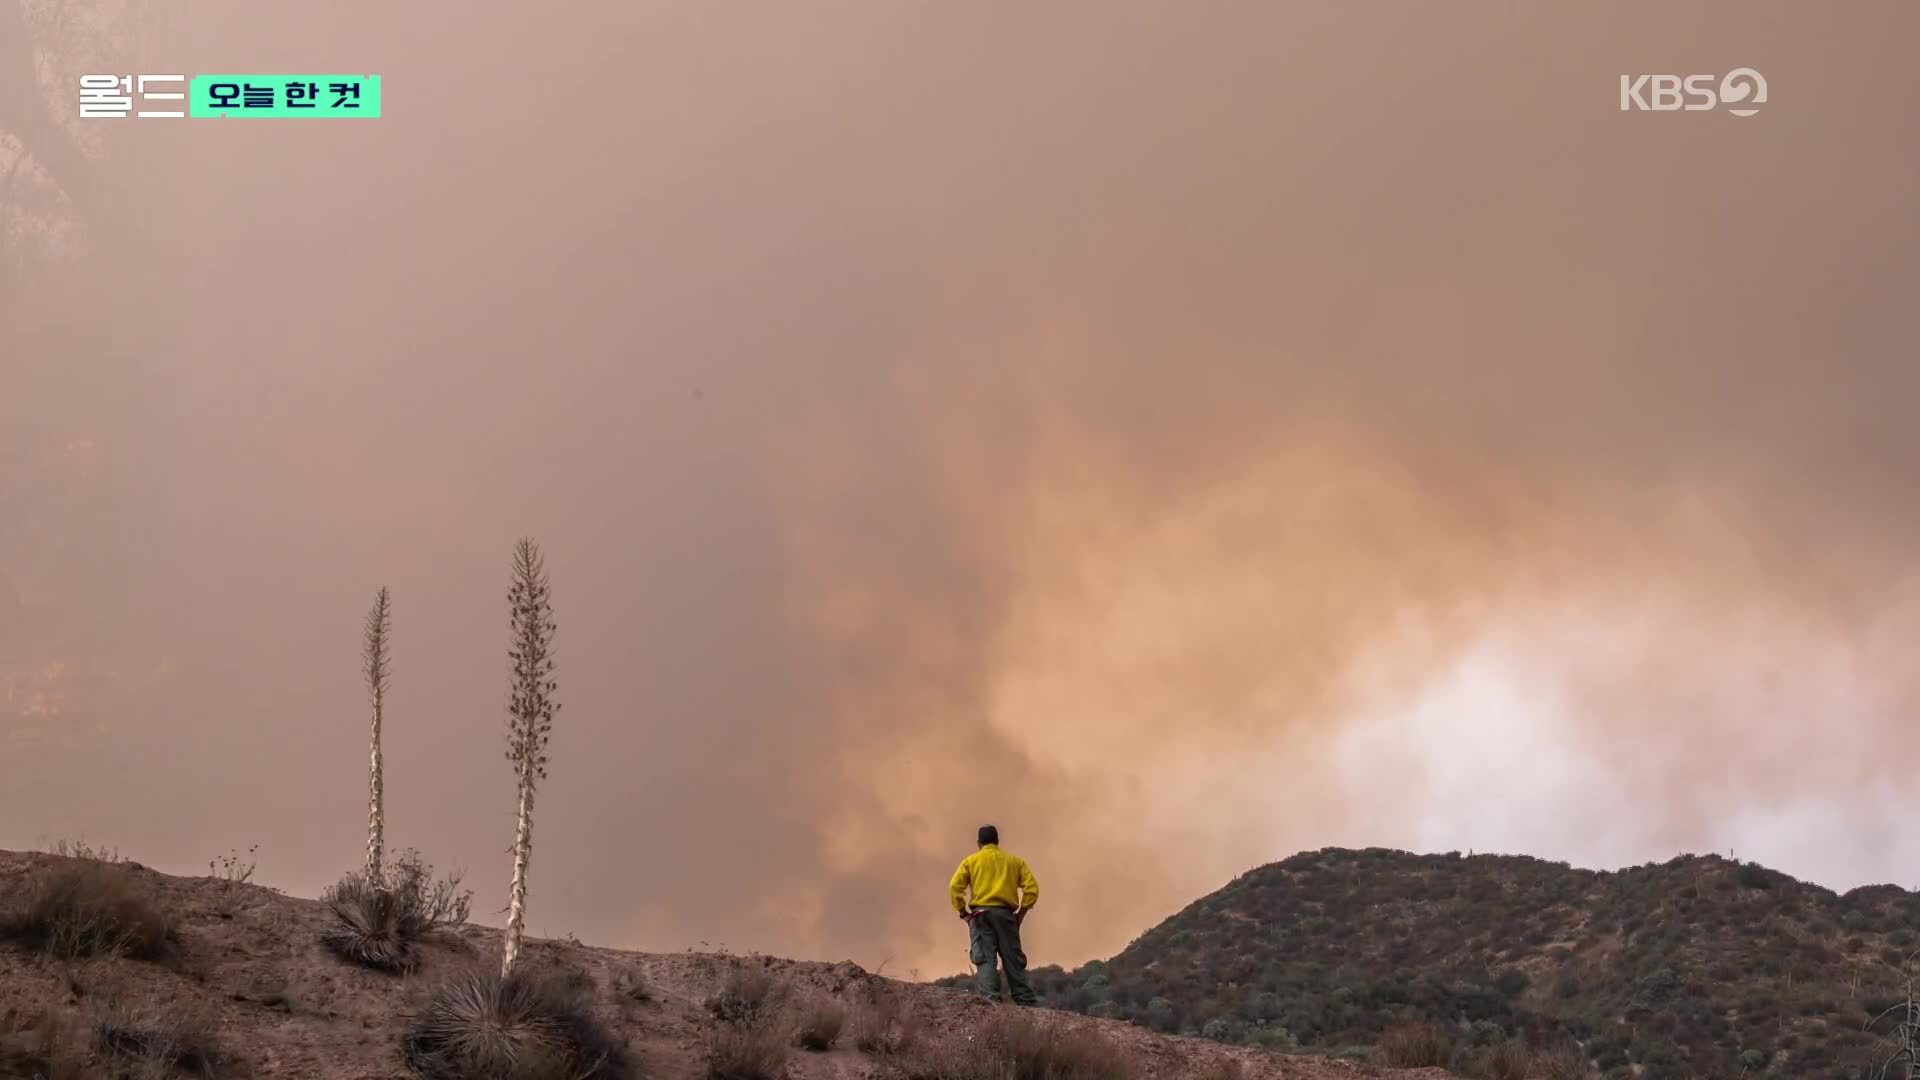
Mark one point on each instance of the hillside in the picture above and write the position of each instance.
(210, 977)
(1700, 967)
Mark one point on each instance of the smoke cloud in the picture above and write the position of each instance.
(1180, 436)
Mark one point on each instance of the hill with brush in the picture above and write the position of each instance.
(111, 971)
(1697, 968)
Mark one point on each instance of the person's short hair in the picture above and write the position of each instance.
(989, 835)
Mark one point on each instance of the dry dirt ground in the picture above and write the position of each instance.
(282, 1006)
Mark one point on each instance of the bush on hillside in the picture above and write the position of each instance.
(87, 909)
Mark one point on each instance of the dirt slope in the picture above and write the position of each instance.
(248, 959)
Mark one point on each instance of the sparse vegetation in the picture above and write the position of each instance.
(525, 1025)
(819, 1025)
(87, 909)
(80, 849)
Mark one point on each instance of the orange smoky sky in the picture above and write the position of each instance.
(1179, 434)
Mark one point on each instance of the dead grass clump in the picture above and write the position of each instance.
(1023, 1048)
(819, 1024)
(882, 1028)
(1566, 1063)
(1030, 1050)
(88, 909)
(749, 994)
(754, 1051)
(178, 1038)
(1507, 1061)
(526, 1026)
(1414, 1046)
(372, 926)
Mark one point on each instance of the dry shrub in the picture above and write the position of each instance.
(526, 1026)
(1414, 1046)
(882, 1027)
(1507, 1061)
(751, 1051)
(43, 1047)
(87, 909)
(632, 986)
(441, 902)
(820, 1024)
(80, 849)
(180, 1038)
(749, 994)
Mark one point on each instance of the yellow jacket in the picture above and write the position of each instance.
(992, 875)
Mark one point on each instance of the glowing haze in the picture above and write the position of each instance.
(1179, 435)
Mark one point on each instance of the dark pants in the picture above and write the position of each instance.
(993, 931)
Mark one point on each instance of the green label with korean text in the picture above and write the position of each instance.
(285, 95)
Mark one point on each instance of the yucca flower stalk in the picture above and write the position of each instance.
(530, 709)
(378, 667)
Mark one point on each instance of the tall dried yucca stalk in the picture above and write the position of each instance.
(378, 667)
(530, 709)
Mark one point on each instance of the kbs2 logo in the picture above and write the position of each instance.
(1740, 89)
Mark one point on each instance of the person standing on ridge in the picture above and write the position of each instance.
(993, 891)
